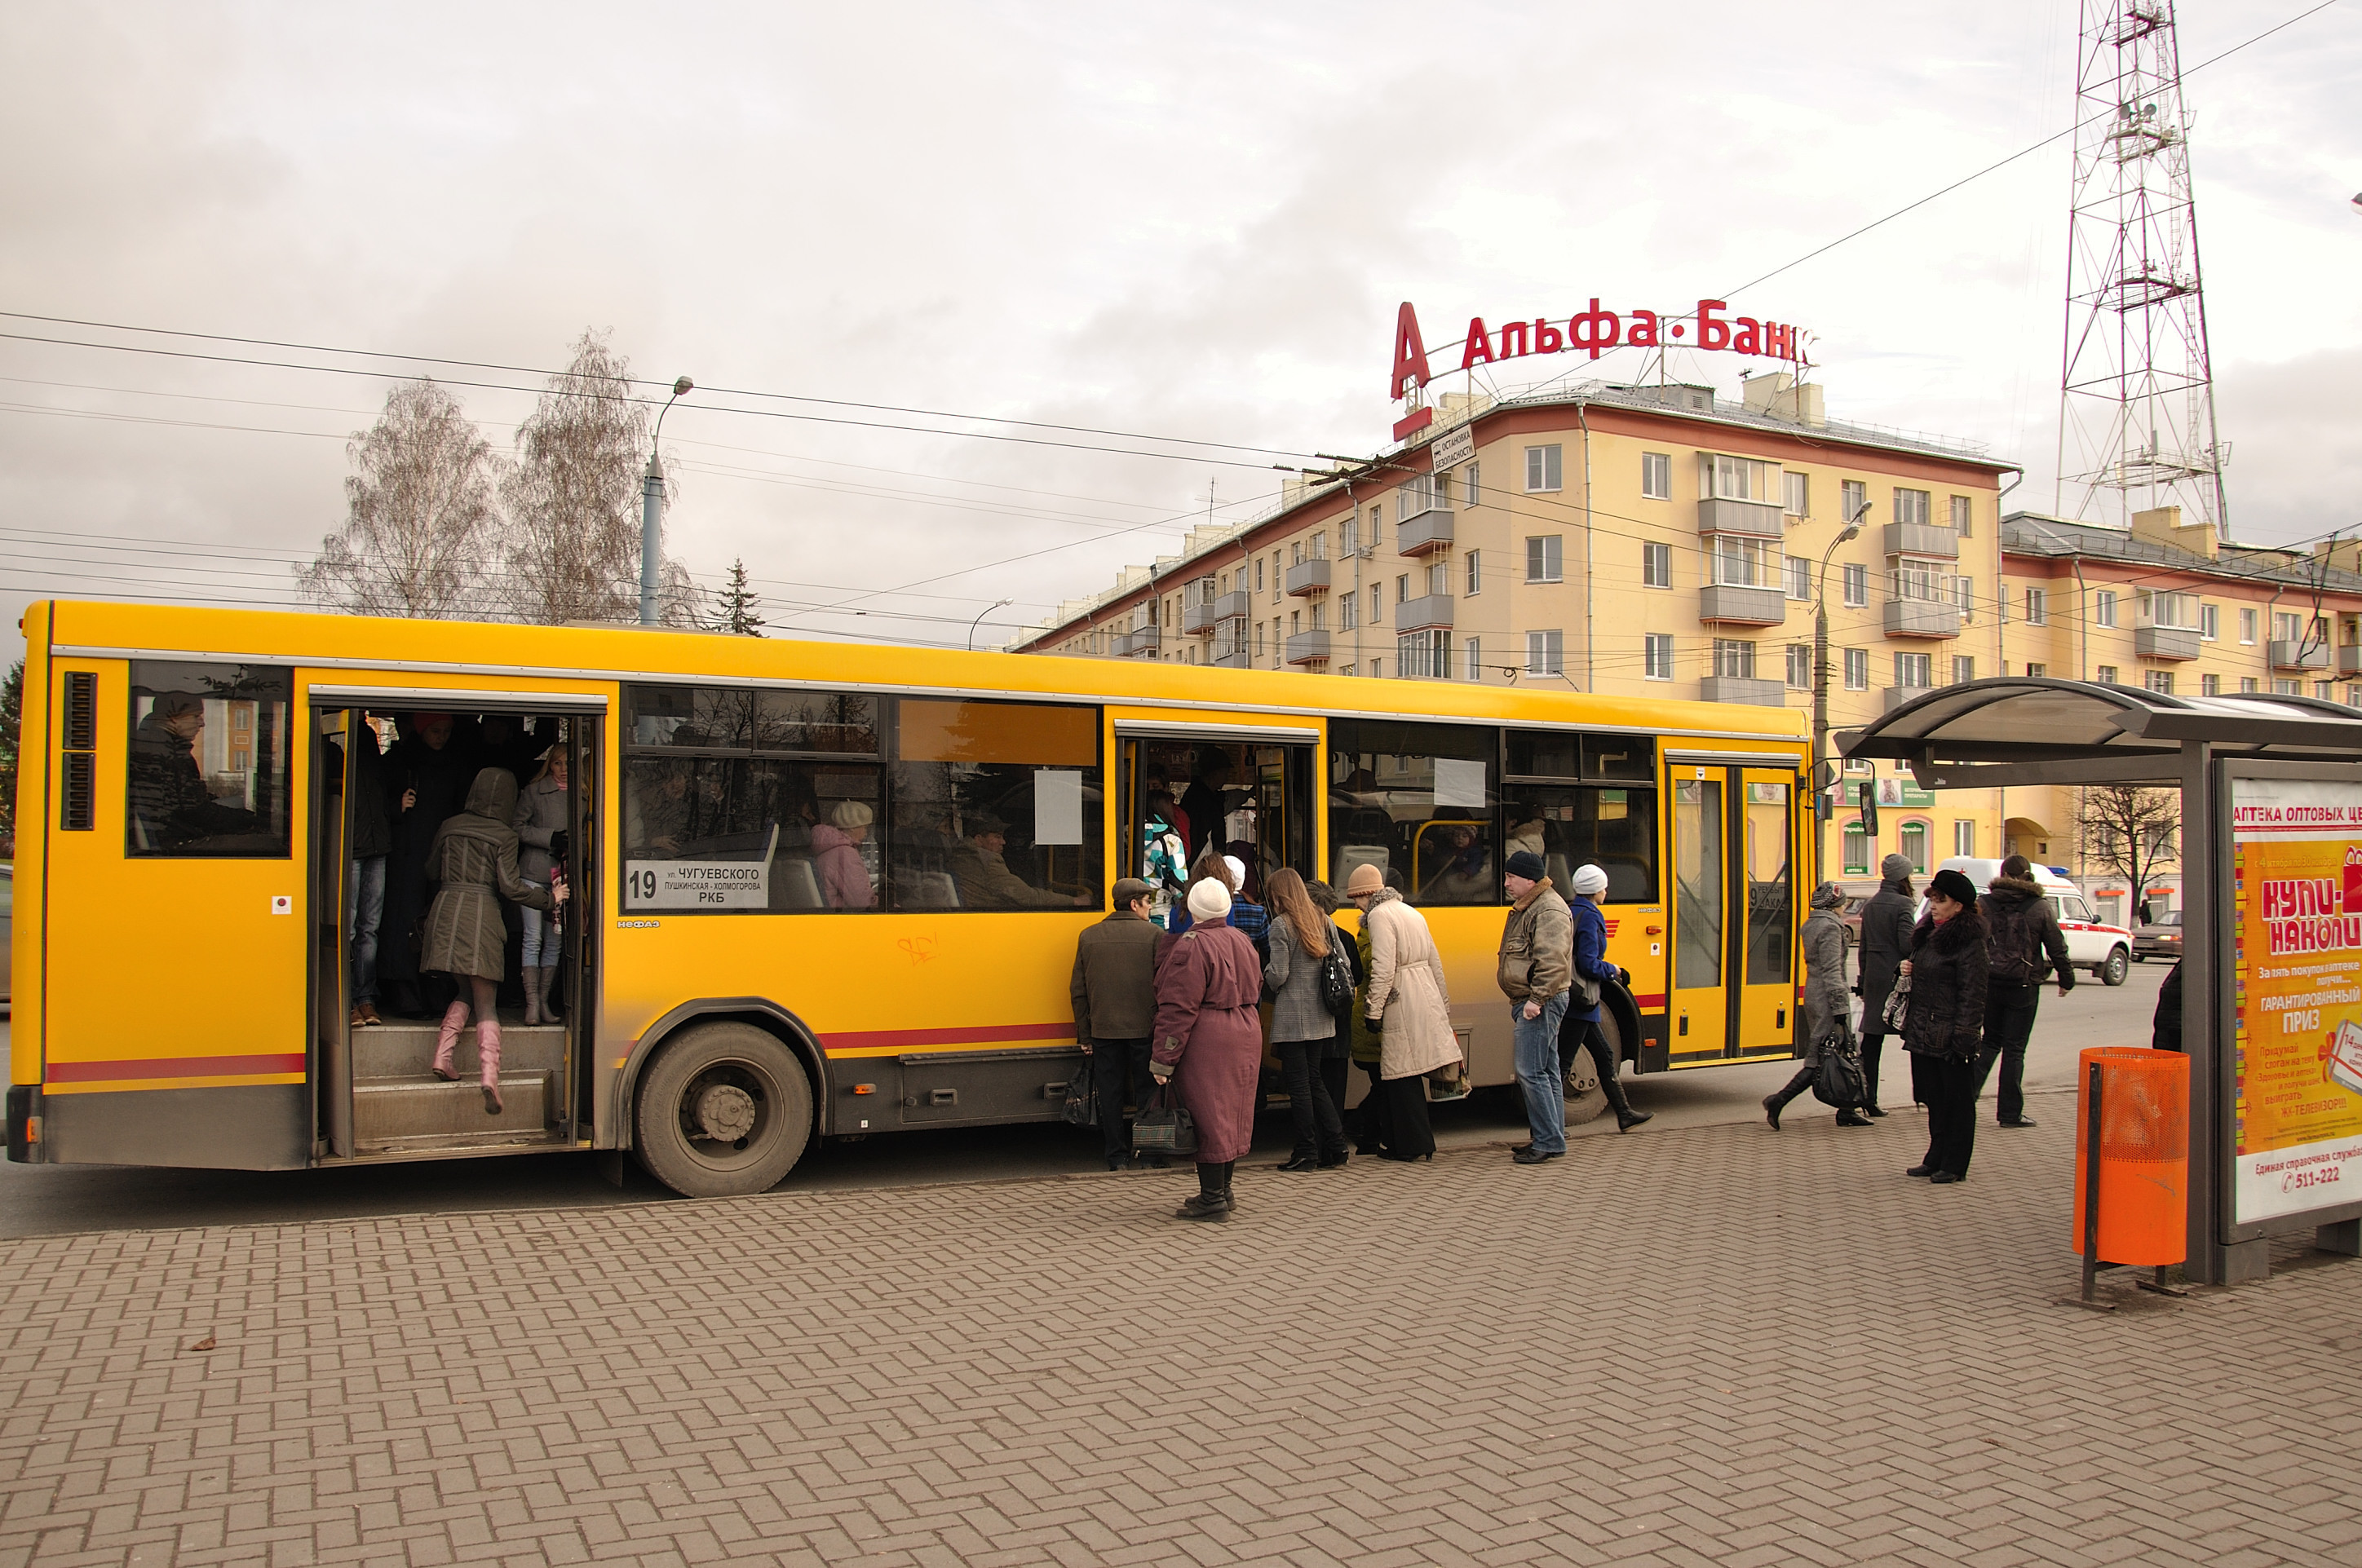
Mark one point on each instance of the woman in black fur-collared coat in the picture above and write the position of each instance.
(1943, 1026)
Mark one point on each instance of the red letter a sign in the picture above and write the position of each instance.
(1410, 353)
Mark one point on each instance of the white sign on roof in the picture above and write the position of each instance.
(1454, 446)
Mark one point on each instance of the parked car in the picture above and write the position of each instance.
(2091, 943)
(2158, 938)
(1857, 893)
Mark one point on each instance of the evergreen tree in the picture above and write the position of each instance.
(12, 712)
(740, 611)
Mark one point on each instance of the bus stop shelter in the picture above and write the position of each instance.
(2271, 877)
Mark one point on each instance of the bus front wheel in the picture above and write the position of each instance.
(725, 1109)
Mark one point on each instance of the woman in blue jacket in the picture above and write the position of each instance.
(1592, 972)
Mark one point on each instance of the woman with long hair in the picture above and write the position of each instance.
(1303, 1030)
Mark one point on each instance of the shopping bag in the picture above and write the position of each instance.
(1082, 1107)
(1164, 1127)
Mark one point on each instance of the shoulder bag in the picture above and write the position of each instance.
(1082, 1107)
(1838, 1080)
(1164, 1127)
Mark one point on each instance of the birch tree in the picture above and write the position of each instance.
(419, 514)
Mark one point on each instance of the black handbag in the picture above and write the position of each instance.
(1838, 1080)
(1164, 1127)
(1082, 1107)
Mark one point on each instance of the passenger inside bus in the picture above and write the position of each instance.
(170, 805)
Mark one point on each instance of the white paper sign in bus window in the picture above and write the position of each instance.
(1057, 806)
(1459, 782)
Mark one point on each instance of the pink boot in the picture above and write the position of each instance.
(488, 1052)
(455, 1018)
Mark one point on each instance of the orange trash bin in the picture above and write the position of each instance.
(2144, 1153)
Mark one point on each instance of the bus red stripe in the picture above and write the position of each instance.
(175, 1067)
(874, 1039)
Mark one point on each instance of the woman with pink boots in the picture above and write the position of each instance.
(473, 857)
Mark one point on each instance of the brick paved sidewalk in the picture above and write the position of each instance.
(1719, 1345)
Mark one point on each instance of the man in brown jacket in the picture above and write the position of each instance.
(1536, 969)
(1114, 991)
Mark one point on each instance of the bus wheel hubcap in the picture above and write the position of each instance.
(725, 1112)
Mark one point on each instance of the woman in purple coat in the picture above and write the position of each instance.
(1210, 1040)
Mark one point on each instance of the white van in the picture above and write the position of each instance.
(2092, 944)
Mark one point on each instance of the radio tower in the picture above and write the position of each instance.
(2136, 424)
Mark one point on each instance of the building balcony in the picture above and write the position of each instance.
(1421, 614)
(2164, 643)
(1743, 688)
(1308, 648)
(1763, 518)
(1141, 644)
(1232, 605)
(1922, 539)
(1234, 659)
(1743, 606)
(1921, 618)
(1309, 577)
(2305, 655)
(1423, 532)
(1897, 695)
(2349, 661)
(1198, 615)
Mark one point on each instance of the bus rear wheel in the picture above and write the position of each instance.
(723, 1111)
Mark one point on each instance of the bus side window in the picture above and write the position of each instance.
(207, 769)
(995, 805)
(1419, 802)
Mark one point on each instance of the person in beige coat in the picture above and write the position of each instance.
(1409, 1006)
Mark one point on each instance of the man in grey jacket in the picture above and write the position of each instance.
(1114, 993)
(1537, 969)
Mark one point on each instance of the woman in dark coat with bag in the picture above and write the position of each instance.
(1943, 1025)
(1209, 1041)
(1885, 942)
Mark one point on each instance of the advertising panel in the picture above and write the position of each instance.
(2296, 970)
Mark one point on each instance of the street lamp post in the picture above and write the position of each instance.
(1851, 530)
(652, 509)
(988, 610)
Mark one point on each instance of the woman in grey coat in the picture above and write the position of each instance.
(1311, 1047)
(544, 808)
(1886, 922)
(473, 857)
(1828, 1009)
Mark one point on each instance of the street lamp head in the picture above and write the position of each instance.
(682, 388)
(1852, 531)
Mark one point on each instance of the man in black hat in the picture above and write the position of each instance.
(1537, 971)
(1114, 993)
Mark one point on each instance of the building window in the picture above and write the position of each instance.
(1964, 512)
(1468, 486)
(2210, 685)
(1378, 604)
(1734, 659)
(1475, 573)
(1402, 591)
(1853, 499)
(1347, 672)
(2178, 611)
(1349, 612)
(1856, 850)
(1800, 666)
(2353, 696)
(1656, 566)
(2108, 676)
(1545, 652)
(2248, 625)
(1914, 669)
(1542, 469)
(1796, 494)
(1349, 535)
(2282, 687)
(1964, 594)
(1377, 669)
(1295, 622)
(2288, 627)
(1278, 579)
(1657, 656)
(1856, 587)
(2158, 681)
(1964, 669)
(1475, 661)
(2034, 671)
(1800, 577)
(1856, 669)
(2104, 608)
(2038, 606)
(1542, 555)
(1911, 506)
(1964, 832)
(2325, 690)
(1423, 656)
(2249, 684)
(1734, 479)
(1914, 846)
(1735, 561)
(1657, 476)
(2210, 622)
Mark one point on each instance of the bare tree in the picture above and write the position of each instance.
(2130, 830)
(572, 540)
(419, 514)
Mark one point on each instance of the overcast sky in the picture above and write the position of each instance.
(1192, 222)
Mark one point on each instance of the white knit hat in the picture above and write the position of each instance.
(1238, 869)
(1209, 900)
(1588, 879)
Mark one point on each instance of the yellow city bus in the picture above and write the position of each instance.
(741, 970)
